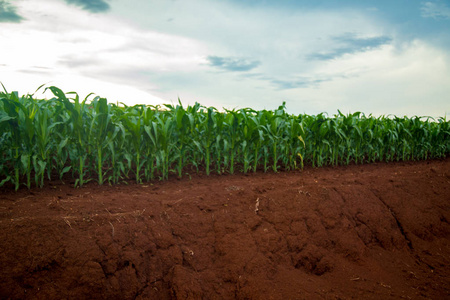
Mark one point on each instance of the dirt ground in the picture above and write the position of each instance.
(378, 231)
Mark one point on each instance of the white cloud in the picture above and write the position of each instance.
(156, 51)
(58, 41)
(373, 80)
(435, 10)
(264, 34)
(410, 81)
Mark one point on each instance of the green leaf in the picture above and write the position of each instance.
(5, 180)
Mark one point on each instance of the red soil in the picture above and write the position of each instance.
(378, 231)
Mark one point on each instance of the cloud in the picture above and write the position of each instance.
(38, 70)
(293, 82)
(435, 10)
(407, 80)
(8, 13)
(233, 64)
(94, 6)
(362, 43)
(75, 61)
(351, 44)
(297, 83)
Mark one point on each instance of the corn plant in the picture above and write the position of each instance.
(92, 139)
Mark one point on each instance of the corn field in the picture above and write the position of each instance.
(93, 140)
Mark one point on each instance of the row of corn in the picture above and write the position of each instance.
(91, 139)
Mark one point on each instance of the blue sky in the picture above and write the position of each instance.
(379, 57)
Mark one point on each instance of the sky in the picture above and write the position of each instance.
(378, 57)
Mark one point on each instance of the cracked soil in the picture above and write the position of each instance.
(378, 231)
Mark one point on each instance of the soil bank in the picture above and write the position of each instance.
(377, 231)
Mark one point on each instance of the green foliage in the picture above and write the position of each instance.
(97, 140)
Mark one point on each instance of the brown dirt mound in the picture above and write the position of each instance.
(378, 231)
